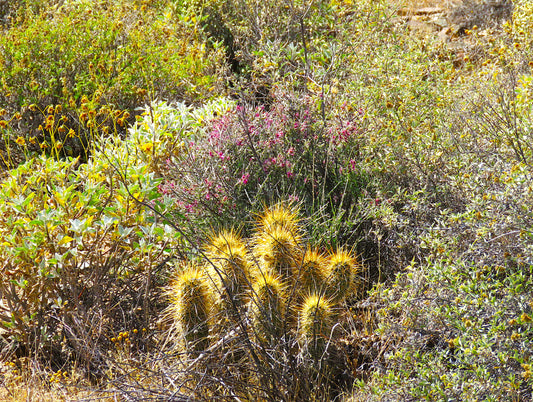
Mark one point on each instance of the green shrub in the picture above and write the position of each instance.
(118, 55)
(80, 244)
(251, 156)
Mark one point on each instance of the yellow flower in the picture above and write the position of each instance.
(3, 124)
(20, 141)
(525, 318)
(59, 145)
(147, 147)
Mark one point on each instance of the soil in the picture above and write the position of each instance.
(449, 19)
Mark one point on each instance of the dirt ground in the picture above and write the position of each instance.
(416, 4)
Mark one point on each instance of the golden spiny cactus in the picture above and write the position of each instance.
(281, 215)
(341, 274)
(315, 322)
(191, 302)
(280, 283)
(312, 273)
(279, 250)
(268, 306)
(229, 266)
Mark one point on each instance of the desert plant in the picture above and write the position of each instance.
(282, 216)
(268, 307)
(312, 273)
(191, 302)
(287, 322)
(341, 274)
(230, 269)
(316, 320)
(279, 251)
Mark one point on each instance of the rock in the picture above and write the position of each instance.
(421, 27)
(444, 34)
(428, 11)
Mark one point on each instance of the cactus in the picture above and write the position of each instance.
(281, 215)
(315, 322)
(230, 266)
(341, 275)
(311, 276)
(278, 239)
(268, 307)
(191, 301)
(279, 250)
(283, 271)
(224, 242)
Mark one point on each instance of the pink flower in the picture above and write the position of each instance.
(244, 178)
(290, 175)
(352, 164)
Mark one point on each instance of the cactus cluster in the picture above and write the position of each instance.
(277, 282)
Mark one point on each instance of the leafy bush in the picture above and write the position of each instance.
(254, 156)
(80, 248)
(62, 55)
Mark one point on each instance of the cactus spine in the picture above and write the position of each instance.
(315, 324)
(341, 277)
(268, 307)
(312, 274)
(191, 302)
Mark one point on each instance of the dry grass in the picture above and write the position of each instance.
(416, 4)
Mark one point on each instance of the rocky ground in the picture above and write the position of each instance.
(448, 20)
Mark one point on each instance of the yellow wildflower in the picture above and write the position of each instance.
(147, 147)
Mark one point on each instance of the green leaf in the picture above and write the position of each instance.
(65, 240)
(76, 225)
